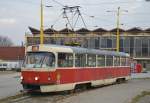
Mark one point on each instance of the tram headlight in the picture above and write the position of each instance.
(21, 77)
(49, 78)
(36, 78)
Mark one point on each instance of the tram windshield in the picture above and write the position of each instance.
(39, 60)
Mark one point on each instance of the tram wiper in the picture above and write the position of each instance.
(38, 64)
(41, 62)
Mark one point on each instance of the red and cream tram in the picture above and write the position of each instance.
(50, 68)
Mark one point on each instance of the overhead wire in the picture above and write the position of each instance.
(97, 4)
(64, 13)
(79, 13)
(56, 20)
(27, 2)
(58, 3)
(119, 2)
(76, 21)
(96, 17)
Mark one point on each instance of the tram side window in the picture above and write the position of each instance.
(116, 61)
(123, 61)
(101, 60)
(80, 60)
(109, 60)
(91, 60)
(128, 61)
(65, 60)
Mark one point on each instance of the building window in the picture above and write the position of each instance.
(114, 43)
(109, 43)
(127, 50)
(144, 52)
(126, 42)
(97, 43)
(144, 47)
(138, 47)
(103, 43)
(149, 47)
(121, 45)
(131, 45)
(126, 45)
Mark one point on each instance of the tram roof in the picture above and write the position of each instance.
(70, 49)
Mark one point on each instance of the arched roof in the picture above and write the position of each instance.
(82, 31)
(49, 31)
(65, 31)
(34, 31)
(100, 30)
(147, 30)
(135, 29)
(115, 30)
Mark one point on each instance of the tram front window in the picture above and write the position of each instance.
(39, 60)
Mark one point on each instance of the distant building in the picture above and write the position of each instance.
(11, 57)
(134, 41)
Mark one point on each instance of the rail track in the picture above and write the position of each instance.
(37, 97)
(42, 97)
(46, 97)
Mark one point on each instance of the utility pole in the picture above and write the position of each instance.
(41, 28)
(118, 33)
(118, 27)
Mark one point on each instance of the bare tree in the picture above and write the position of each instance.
(5, 41)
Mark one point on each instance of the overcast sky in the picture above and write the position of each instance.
(17, 15)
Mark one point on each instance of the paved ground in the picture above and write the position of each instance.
(9, 84)
(141, 75)
(121, 93)
(145, 99)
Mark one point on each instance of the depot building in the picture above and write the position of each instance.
(134, 41)
(11, 58)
